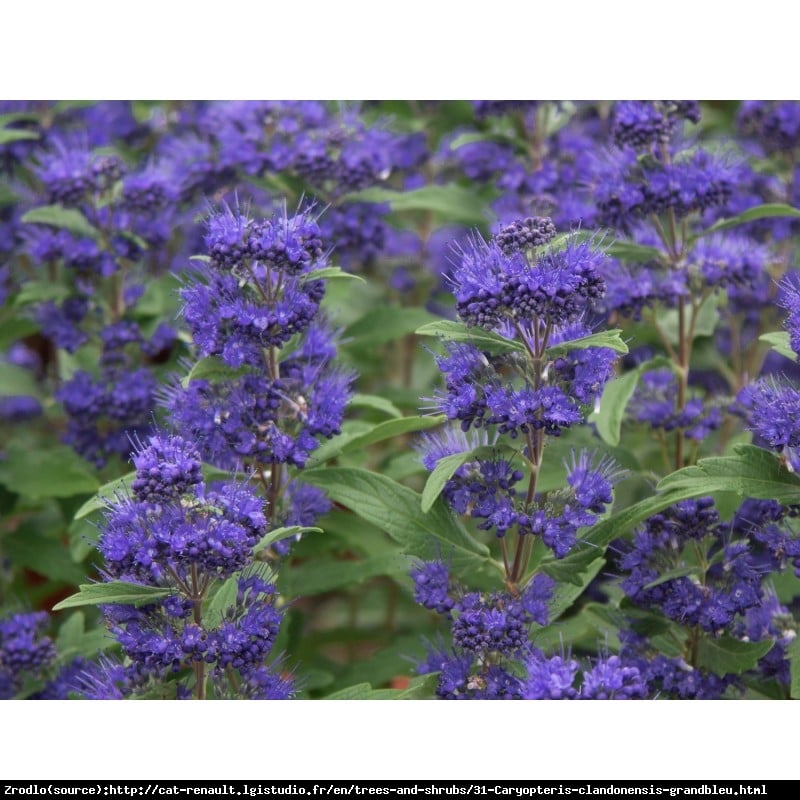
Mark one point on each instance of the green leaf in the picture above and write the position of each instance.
(611, 339)
(621, 248)
(571, 568)
(117, 592)
(40, 292)
(453, 202)
(213, 370)
(601, 534)
(43, 552)
(752, 472)
(614, 401)
(55, 472)
(729, 656)
(330, 274)
(420, 688)
(757, 212)
(8, 135)
(779, 341)
(83, 536)
(18, 116)
(119, 486)
(69, 219)
(74, 640)
(445, 469)
(361, 691)
(108, 491)
(483, 136)
(200, 257)
(484, 340)
(16, 380)
(386, 324)
(637, 253)
(672, 574)
(376, 403)
(794, 668)
(705, 322)
(403, 465)
(224, 598)
(327, 574)
(390, 429)
(226, 593)
(396, 509)
(566, 594)
(279, 534)
(14, 329)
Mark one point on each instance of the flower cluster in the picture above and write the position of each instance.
(104, 411)
(644, 123)
(177, 533)
(628, 192)
(772, 408)
(710, 597)
(257, 292)
(495, 281)
(484, 487)
(25, 651)
(655, 402)
(490, 632)
(774, 123)
(710, 576)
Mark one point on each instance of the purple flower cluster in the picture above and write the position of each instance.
(730, 260)
(19, 408)
(775, 124)
(525, 234)
(536, 676)
(671, 677)
(493, 283)
(790, 300)
(772, 408)
(489, 630)
(213, 530)
(709, 576)
(71, 173)
(252, 418)
(177, 533)
(239, 305)
(256, 293)
(485, 489)
(552, 176)
(25, 651)
(105, 411)
(626, 192)
(645, 123)
(479, 395)
(494, 108)
(655, 402)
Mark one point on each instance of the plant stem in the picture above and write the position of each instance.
(275, 479)
(197, 616)
(535, 446)
(683, 378)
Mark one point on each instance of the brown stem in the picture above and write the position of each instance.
(504, 551)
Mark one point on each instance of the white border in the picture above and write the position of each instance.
(384, 740)
(372, 49)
